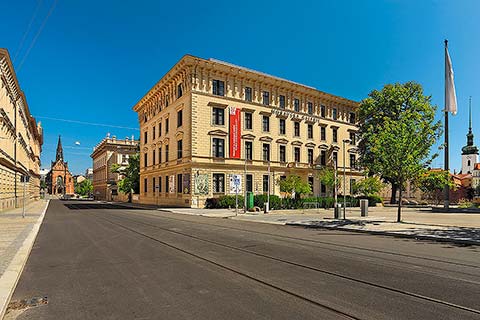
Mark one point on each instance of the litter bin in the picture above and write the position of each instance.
(249, 200)
(364, 207)
(337, 211)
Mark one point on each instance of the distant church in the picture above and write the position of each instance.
(470, 151)
(59, 180)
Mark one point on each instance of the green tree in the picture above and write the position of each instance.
(370, 186)
(326, 176)
(294, 185)
(84, 188)
(397, 130)
(131, 175)
(432, 183)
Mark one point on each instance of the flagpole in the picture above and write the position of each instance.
(446, 164)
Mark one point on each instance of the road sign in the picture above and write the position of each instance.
(235, 183)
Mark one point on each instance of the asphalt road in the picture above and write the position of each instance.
(100, 261)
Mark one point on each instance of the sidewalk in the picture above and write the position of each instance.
(461, 228)
(17, 236)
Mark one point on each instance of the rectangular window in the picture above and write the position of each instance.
(153, 132)
(266, 152)
(145, 160)
(323, 133)
(282, 126)
(218, 116)
(310, 131)
(323, 157)
(249, 184)
(322, 111)
(167, 125)
(353, 137)
(160, 128)
(281, 101)
(265, 183)
(248, 94)
(310, 156)
(310, 107)
(335, 134)
(296, 154)
(310, 182)
(159, 184)
(296, 129)
(218, 147)
(218, 183)
(351, 118)
(167, 147)
(167, 185)
(166, 102)
(145, 185)
(334, 114)
(179, 90)
(296, 105)
(266, 123)
(154, 153)
(248, 120)
(352, 183)
(323, 188)
(335, 158)
(249, 150)
(353, 163)
(154, 185)
(179, 149)
(218, 87)
(266, 98)
(283, 154)
(179, 183)
(179, 118)
(159, 155)
(145, 137)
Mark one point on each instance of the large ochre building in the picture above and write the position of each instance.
(207, 121)
(21, 139)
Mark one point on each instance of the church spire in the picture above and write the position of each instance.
(470, 148)
(59, 150)
(470, 115)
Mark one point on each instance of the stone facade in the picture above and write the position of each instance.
(108, 152)
(21, 140)
(289, 127)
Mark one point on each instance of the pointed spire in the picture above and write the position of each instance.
(470, 115)
(59, 155)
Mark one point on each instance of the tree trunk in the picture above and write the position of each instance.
(399, 213)
(393, 198)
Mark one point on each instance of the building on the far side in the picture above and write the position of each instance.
(108, 152)
(89, 174)
(59, 180)
(21, 140)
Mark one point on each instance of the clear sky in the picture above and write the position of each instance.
(93, 60)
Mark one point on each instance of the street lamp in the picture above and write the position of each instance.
(344, 177)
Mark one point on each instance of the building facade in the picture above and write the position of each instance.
(59, 180)
(108, 152)
(21, 139)
(207, 123)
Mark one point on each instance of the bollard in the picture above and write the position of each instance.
(337, 210)
(364, 208)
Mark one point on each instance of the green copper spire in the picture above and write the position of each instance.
(470, 148)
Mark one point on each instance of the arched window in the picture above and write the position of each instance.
(468, 163)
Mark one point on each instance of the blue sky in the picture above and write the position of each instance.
(93, 60)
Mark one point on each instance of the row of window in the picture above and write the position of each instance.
(219, 186)
(218, 89)
(163, 154)
(218, 118)
(167, 127)
(218, 151)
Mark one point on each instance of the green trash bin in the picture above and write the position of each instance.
(249, 200)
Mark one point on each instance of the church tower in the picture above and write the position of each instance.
(59, 155)
(470, 151)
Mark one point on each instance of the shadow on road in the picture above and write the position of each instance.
(100, 206)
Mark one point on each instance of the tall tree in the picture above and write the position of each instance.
(326, 176)
(432, 183)
(131, 175)
(294, 185)
(397, 131)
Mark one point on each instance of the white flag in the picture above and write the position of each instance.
(450, 96)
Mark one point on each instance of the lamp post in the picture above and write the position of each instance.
(344, 177)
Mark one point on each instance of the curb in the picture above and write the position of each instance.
(9, 279)
(390, 234)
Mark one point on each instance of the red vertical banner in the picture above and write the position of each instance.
(235, 133)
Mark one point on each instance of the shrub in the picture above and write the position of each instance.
(275, 201)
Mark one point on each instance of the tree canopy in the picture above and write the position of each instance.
(397, 131)
(326, 176)
(370, 186)
(294, 185)
(432, 183)
(131, 175)
(84, 188)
